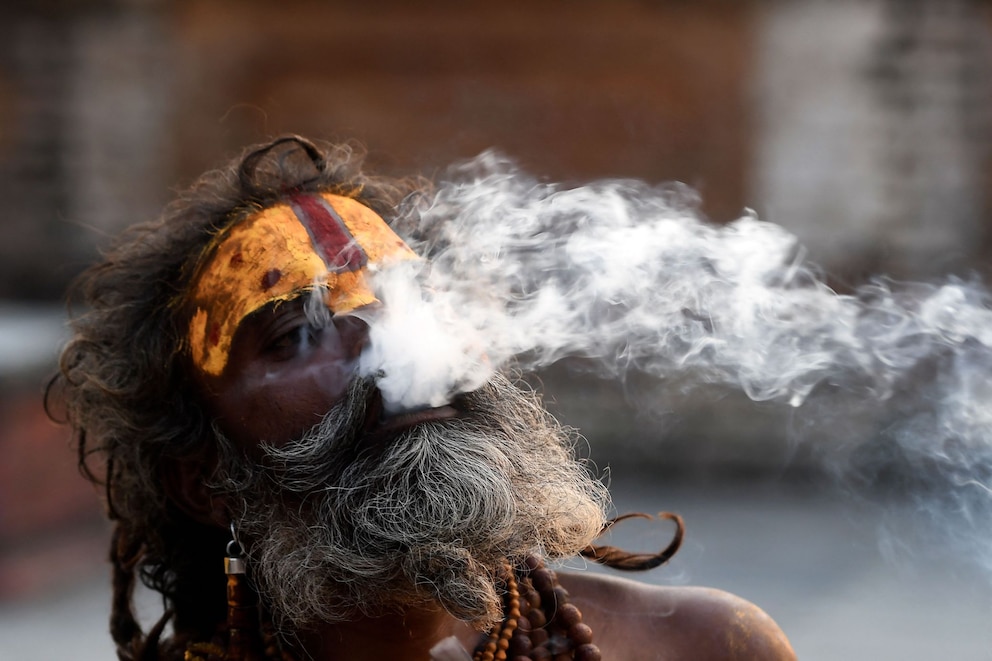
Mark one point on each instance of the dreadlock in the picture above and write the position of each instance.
(123, 383)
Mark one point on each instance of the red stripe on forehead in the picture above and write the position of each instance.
(334, 243)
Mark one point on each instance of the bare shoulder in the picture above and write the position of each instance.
(633, 621)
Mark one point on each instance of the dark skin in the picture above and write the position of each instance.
(283, 373)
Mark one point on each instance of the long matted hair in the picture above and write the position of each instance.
(124, 382)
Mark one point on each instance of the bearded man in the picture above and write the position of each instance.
(212, 389)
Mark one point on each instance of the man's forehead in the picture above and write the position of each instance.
(309, 241)
(330, 235)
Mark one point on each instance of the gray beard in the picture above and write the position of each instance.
(335, 529)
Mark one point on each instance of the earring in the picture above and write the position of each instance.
(242, 604)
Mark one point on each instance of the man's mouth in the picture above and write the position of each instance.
(398, 422)
(380, 424)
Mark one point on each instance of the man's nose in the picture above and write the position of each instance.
(353, 333)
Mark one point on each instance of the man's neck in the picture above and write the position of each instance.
(407, 635)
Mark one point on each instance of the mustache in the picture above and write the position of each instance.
(323, 451)
(351, 433)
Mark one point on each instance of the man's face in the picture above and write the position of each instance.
(284, 372)
(342, 514)
(273, 334)
(288, 366)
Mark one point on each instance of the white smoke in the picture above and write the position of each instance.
(630, 277)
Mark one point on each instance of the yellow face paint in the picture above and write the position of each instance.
(311, 241)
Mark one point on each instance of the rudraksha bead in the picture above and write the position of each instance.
(580, 633)
(540, 654)
(544, 580)
(537, 619)
(587, 652)
(523, 624)
(568, 615)
(520, 644)
(538, 637)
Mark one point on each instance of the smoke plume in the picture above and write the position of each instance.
(630, 277)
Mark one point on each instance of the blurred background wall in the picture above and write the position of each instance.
(860, 125)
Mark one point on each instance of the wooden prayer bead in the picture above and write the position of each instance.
(544, 580)
(540, 654)
(539, 637)
(587, 652)
(568, 615)
(520, 644)
(537, 619)
(580, 633)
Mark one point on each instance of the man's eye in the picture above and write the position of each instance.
(298, 339)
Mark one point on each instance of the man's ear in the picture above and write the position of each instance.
(185, 481)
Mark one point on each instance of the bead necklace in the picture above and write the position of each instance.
(539, 624)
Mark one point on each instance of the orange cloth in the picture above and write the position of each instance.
(310, 241)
